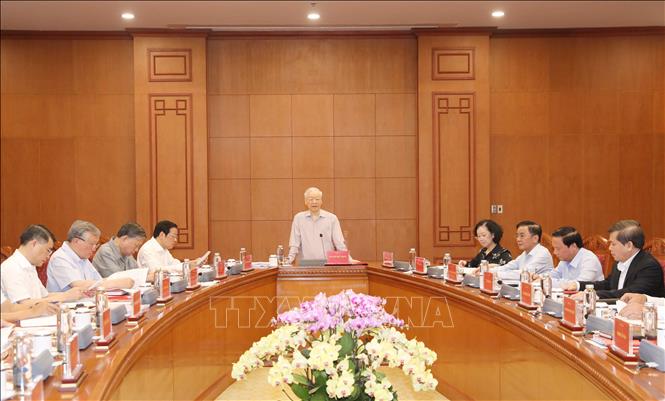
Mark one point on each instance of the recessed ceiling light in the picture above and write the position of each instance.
(127, 16)
(498, 14)
(313, 14)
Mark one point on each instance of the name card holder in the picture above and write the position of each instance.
(165, 292)
(247, 264)
(137, 315)
(194, 279)
(388, 259)
(452, 276)
(526, 296)
(335, 258)
(570, 317)
(107, 337)
(487, 284)
(622, 343)
(72, 369)
(420, 266)
(220, 270)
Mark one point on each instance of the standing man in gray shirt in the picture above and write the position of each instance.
(118, 254)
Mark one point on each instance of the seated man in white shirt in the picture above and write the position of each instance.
(19, 273)
(576, 262)
(10, 312)
(155, 253)
(70, 265)
(535, 258)
(315, 231)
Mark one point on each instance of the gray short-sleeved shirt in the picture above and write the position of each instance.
(109, 260)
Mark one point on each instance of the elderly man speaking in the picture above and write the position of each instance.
(314, 231)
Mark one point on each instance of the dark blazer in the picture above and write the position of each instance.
(644, 276)
(499, 256)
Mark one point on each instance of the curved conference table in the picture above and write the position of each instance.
(487, 348)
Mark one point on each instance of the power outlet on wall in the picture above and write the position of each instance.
(499, 209)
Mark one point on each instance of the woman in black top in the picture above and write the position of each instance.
(488, 234)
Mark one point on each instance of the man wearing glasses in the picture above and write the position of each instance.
(19, 273)
(70, 265)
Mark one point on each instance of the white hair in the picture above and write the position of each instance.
(312, 191)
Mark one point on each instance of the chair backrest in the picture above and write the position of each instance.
(657, 248)
(546, 241)
(5, 252)
(601, 247)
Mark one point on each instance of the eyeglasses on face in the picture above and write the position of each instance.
(94, 245)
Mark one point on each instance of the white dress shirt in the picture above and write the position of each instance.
(66, 267)
(585, 266)
(623, 268)
(538, 260)
(20, 279)
(657, 301)
(153, 256)
(312, 239)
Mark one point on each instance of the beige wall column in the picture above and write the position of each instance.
(171, 136)
(453, 141)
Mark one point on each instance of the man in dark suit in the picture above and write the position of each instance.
(635, 271)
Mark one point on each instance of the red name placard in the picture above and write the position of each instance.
(73, 349)
(526, 293)
(165, 291)
(194, 276)
(452, 271)
(388, 259)
(570, 311)
(247, 263)
(623, 338)
(106, 324)
(136, 302)
(488, 281)
(420, 265)
(337, 257)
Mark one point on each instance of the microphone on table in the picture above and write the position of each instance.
(323, 248)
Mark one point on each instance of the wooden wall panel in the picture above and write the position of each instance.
(453, 142)
(67, 134)
(171, 137)
(337, 113)
(576, 132)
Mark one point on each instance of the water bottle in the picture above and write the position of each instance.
(484, 266)
(280, 255)
(216, 260)
(590, 299)
(649, 319)
(22, 362)
(185, 272)
(412, 258)
(524, 275)
(546, 285)
(446, 260)
(64, 328)
(243, 252)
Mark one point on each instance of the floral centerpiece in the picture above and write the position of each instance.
(331, 348)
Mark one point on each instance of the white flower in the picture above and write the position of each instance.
(280, 373)
(299, 360)
(323, 356)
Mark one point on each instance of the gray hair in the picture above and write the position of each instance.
(80, 227)
(312, 190)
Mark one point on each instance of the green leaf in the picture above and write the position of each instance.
(319, 397)
(346, 341)
(300, 391)
(305, 352)
(379, 376)
(320, 377)
(355, 393)
(301, 379)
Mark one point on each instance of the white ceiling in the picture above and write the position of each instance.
(339, 15)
